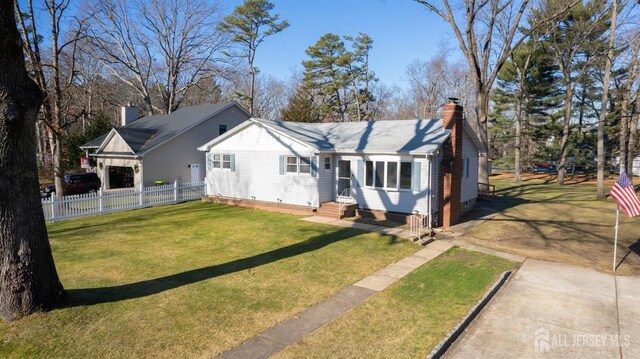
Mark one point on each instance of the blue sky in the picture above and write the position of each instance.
(402, 31)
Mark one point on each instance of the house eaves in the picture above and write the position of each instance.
(252, 121)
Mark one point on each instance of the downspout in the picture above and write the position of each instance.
(430, 199)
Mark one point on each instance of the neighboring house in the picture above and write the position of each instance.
(161, 147)
(403, 166)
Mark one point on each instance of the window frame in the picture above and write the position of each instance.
(218, 161)
(301, 164)
(327, 163)
(220, 129)
(371, 171)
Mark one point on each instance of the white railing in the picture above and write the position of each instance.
(101, 202)
(343, 199)
(417, 224)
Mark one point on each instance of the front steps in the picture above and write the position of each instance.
(331, 209)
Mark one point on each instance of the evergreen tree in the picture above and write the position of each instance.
(301, 107)
(249, 24)
(340, 79)
(71, 144)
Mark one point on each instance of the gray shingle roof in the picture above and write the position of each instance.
(146, 133)
(397, 136)
(96, 142)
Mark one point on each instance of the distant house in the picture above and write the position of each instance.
(403, 166)
(161, 147)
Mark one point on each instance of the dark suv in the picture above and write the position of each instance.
(75, 183)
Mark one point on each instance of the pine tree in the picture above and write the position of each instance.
(249, 24)
(301, 107)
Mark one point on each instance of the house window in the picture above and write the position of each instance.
(327, 163)
(379, 177)
(390, 175)
(405, 175)
(368, 181)
(222, 129)
(292, 164)
(226, 161)
(216, 161)
(305, 164)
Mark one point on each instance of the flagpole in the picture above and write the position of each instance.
(615, 241)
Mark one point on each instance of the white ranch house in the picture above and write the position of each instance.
(404, 166)
(161, 147)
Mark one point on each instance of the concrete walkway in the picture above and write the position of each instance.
(295, 328)
(555, 310)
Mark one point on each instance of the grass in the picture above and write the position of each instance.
(189, 280)
(567, 224)
(408, 319)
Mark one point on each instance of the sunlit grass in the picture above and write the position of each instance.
(408, 319)
(189, 280)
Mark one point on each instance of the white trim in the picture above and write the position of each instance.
(108, 139)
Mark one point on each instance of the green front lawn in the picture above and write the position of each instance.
(189, 280)
(408, 319)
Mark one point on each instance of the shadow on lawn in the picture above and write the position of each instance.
(91, 296)
(634, 248)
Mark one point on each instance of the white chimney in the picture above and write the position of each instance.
(128, 114)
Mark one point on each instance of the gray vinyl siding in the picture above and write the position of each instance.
(170, 161)
(257, 169)
(469, 184)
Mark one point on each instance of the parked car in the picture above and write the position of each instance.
(75, 183)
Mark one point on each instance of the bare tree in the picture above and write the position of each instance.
(158, 46)
(487, 32)
(54, 76)
(28, 278)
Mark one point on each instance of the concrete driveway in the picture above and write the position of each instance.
(554, 310)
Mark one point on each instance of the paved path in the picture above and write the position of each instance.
(295, 328)
(554, 310)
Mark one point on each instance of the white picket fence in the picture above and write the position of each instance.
(101, 202)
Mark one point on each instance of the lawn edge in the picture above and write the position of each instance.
(455, 333)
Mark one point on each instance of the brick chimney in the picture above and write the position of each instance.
(128, 114)
(450, 178)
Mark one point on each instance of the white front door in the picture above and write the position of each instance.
(195, 172)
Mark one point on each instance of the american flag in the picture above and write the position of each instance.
(625, 195)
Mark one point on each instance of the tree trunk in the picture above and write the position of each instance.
(562, 170)
(28, 278)
(605, 99)
(518, 138)
(482, 110)
(56, 162)
(252, 88)
(624, 130)
(633, 134)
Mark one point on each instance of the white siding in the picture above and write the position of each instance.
(403, 201)
(116, 144)
(170, 161)
(469, 183)
(435, 180)
(326, 179)
(257, 169)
